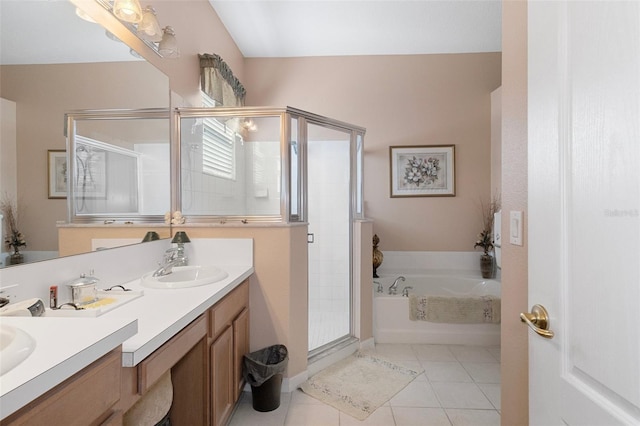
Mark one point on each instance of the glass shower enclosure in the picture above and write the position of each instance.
(225, 165)
(281, 165)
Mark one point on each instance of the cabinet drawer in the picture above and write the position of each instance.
(225, 311)
(156, 364)
(84, 399)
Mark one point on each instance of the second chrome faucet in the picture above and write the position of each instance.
(394, 287)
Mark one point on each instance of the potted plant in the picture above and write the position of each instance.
(14, 238)
(485, 238)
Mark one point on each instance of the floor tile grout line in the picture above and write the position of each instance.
(393, 409)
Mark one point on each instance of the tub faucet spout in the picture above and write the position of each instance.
(394, 287)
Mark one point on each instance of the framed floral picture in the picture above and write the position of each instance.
(422, 171)
(57, 172)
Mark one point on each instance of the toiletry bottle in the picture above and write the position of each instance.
(53, 296)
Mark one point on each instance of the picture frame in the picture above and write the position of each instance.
(57, 173)
(422, 171)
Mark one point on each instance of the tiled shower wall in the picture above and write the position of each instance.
(254, 191)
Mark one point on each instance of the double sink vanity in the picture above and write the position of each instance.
(192, 322)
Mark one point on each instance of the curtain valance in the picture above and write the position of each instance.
(217, 81)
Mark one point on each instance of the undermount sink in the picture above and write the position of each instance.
(185, 276)
(15, 346)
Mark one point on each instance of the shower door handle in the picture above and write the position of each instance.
(310, 238)
(538, 321)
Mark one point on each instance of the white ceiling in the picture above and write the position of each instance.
(48, 31)
(291, 28)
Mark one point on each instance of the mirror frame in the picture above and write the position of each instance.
(70, 133)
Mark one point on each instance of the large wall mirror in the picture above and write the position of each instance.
(53, 62)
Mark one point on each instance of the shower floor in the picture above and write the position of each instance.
(325, 327)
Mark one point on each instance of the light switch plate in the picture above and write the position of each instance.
(515, 227)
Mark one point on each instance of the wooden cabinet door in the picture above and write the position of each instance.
(85, 398)
(240, 347)
(222, 385)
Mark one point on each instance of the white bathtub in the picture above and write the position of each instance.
(391, 313)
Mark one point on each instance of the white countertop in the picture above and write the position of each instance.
(67, 345)
(162, 313)
(58, 355)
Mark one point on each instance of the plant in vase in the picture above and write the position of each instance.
(485, 237)
(14, 238)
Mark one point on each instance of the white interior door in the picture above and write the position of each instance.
(584, 211)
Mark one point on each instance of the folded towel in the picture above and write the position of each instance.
(455, 310)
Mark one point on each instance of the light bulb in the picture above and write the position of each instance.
(168, 46)
(149, 28)
(127, 10)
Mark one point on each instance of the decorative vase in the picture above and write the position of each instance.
(487, 266)
(377, 256)
(16, 258)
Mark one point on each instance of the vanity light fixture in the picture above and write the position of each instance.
(168, 47)
(143, 23)
(127, 10)
(149, 28)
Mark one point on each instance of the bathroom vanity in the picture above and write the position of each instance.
(92, 370)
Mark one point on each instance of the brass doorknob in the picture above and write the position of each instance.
(538, 321)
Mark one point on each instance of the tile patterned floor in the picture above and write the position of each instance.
(460, 387)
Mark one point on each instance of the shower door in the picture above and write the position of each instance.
(329, 217)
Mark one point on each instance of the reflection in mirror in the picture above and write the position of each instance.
(67, 65)
(150, 236)
(120, 167)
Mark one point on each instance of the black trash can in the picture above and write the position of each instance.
(263, 370)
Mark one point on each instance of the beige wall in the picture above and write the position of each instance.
(198, 30)
(43, 94)
(8, 149)
(515, 383)
(363, 263)
(496, 143)
(400, 100)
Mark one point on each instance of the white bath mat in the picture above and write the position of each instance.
(360, 384)
(455, 310)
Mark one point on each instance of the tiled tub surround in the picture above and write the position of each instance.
(156, 316)
(452, 269)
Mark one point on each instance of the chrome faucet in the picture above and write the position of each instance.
(394, 287)
(405, 291)
(172, 257)
(379, 287)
